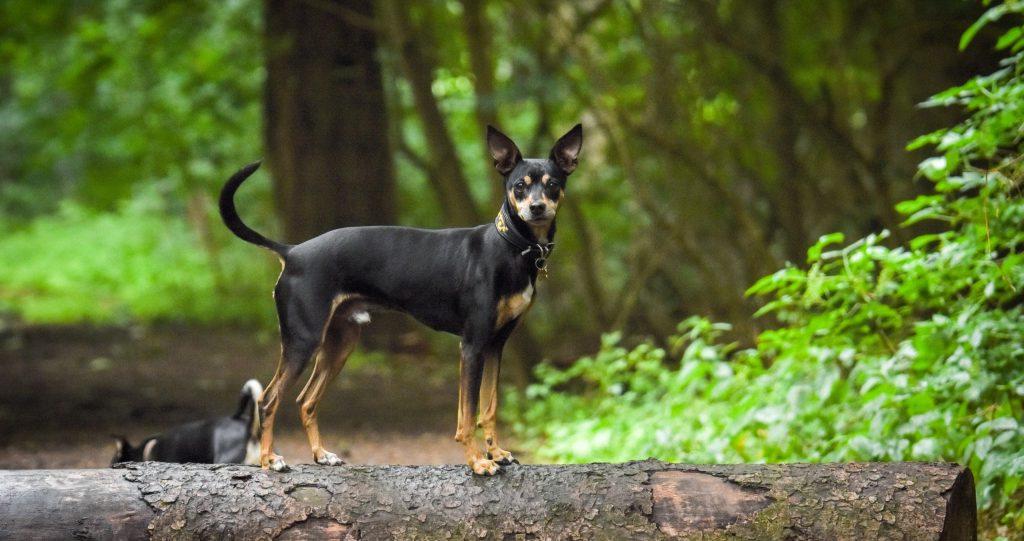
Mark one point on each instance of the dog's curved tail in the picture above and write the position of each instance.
(234, 222)
(249, 412)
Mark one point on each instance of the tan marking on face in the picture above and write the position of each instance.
(513, 306)
(512, 201)
(545, 179)
(551, 202)
(528, 180)
(541, 231)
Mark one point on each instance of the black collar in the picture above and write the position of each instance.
(506, 229)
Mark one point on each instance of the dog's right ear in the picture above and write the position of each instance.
(122, 446)
(504, 151)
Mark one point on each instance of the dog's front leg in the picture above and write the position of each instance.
(471, 365)
(489, 409)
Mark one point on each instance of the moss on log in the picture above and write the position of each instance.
(637, 500)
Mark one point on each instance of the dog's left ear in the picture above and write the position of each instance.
(121, 442)
(566, 151)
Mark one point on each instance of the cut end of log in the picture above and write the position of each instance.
(961, 509)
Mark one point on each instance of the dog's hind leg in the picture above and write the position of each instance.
(340, 340)
(269, 401)
(300, 339)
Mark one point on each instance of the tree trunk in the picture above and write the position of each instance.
(326, 133)
(637, 500)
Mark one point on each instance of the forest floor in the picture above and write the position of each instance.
(65, 390)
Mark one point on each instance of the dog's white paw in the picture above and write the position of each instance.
(277, 464)
(330, 459)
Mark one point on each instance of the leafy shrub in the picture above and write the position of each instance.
(906, 353)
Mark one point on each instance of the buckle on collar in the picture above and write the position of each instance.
(517, 240)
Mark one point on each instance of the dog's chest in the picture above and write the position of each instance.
(512, 306)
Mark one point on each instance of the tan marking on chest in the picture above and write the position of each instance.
(513, 306)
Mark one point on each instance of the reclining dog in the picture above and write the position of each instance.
(231, 439)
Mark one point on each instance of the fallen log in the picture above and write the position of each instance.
(636, 500)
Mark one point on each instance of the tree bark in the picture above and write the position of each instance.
(637, 500)
(324, 108)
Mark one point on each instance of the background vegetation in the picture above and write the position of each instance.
(723, 139)
(905, 353)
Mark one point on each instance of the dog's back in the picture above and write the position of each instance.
(225, 440)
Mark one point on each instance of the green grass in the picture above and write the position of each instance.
(140, 263)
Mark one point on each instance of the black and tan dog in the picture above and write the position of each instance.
(474, 282)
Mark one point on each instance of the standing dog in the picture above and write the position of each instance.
(474, 282)
(224, 440)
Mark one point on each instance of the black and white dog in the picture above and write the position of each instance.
(224, 440)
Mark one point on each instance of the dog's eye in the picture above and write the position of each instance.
(519, 187)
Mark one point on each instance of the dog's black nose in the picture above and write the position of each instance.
(537, 208)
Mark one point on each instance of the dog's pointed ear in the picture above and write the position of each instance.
(122, 448)
(504, 151)
(566, 151)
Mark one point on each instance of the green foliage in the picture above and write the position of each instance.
(96, 97)
(139, 263)
(882, 353)
(122, 118)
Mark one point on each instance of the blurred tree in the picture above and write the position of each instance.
(326, 133)
(721, 136)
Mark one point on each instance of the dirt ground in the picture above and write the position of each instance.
(65, 390)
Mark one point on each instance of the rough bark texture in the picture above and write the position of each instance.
(638, 500)
(324, 111)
